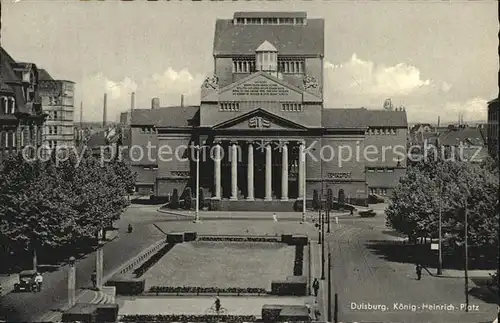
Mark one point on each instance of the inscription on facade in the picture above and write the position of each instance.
(180, 173)
(261, 87)
(340, 175)
(258, 122)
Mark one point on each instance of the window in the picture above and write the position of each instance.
(393, 131)
(291, 107)
(299, 21)
(291, 66)
(229, 106)
(12, 105)
(3, 105)
(50, 130)
(13, 139)
(390, 170)
(371, 170)
(243, 66)
(55, 130)
(380, 170)
(55, 115)
(22, 137)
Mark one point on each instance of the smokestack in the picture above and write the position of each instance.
(81, 114)
(155, 103)
(132, 107)
(182, 100)
(104, 110)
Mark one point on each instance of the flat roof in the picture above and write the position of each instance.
(270, 14)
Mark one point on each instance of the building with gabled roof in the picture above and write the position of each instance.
(21, 115)
(259, 112)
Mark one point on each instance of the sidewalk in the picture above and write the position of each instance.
(454, 273)
(322, 298)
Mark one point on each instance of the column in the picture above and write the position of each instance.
(250, 180)
(302, 168)
(284, 172)
(269, 193)
(217, 171)
(234, 172)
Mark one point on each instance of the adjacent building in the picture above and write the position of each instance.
(492, 128)
(260, 111)
(21, 115)
(58, 103)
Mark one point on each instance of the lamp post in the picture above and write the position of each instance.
(323, 249)
(197, 209)
(71, 282)
(302, 160)
(329, 317)
(440, 229)
(466, 261)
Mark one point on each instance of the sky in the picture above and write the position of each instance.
(436, 58)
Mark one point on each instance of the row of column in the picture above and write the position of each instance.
(250, 172)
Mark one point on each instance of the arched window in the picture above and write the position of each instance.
(12, 105)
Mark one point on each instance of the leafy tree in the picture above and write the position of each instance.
(455, 187)
(174, 202)
(341, 197)
(315, 201)
(188, 199)
(329, 196)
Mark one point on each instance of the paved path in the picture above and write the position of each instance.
(29, 307)
(373, 289)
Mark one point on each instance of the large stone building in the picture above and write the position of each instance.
(264, 104)
(21, 115)
(58, 103)
(492, 128)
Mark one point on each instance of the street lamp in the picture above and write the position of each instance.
(302, 156)
(71, 282)
(197, 209)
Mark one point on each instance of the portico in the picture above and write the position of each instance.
(258, 169)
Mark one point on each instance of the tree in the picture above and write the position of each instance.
(188, 199)
(174, 202)
(329, 194)
(315, 201)
(413, 209)
(341, 197)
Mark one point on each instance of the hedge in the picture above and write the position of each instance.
(206, 290)
(241, 239)
(189, 318)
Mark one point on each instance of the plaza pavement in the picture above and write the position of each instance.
(31, 307)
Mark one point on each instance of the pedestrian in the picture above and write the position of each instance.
(93, 278)
(38, 281)
(275, 217)
(316, 287)
(418, 269)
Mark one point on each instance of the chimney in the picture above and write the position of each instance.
(104, 110)
(155, 103)
(132, 107)
(81, 114)
(182, 100)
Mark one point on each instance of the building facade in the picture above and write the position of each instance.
(492, 127)
(259, 113)
(21, 115)
(58, 103)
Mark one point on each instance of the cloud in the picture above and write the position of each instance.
(445, 87)
(167, 86)
(365, 78)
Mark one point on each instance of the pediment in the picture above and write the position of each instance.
(259, 120)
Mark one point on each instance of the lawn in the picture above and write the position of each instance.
(222, 264)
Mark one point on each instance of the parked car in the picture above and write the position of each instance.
(26, 281)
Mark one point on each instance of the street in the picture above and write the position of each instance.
(28, 307)
(371, 288)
